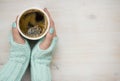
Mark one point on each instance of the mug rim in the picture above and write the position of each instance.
(36, 38)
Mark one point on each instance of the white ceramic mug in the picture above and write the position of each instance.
(35, 38)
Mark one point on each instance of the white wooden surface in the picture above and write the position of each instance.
(89, 37)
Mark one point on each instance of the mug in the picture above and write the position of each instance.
(33, 23)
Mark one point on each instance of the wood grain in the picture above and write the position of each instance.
(89, 37)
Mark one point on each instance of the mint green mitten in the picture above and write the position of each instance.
(18, 61)
(40, 62)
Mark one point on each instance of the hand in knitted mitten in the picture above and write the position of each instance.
(42, 54)
(18, 61)
(40, 61)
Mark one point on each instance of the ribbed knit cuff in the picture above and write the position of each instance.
(40, 61)
(18, 61)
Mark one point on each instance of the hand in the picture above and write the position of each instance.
(48, 38)
(18, 59)
(16, 35)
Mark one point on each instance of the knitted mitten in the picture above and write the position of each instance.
(40, 61)
(18, 61)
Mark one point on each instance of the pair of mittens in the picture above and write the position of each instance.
(20, 57)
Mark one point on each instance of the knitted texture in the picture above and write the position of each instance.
(18, 61)
(40, 61)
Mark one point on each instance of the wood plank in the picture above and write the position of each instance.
(89, 37)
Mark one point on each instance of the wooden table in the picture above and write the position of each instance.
(89, 37)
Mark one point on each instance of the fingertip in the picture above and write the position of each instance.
(51, 31)
(14, 28)
(14, 25)
(45, 9)
(16, 18)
